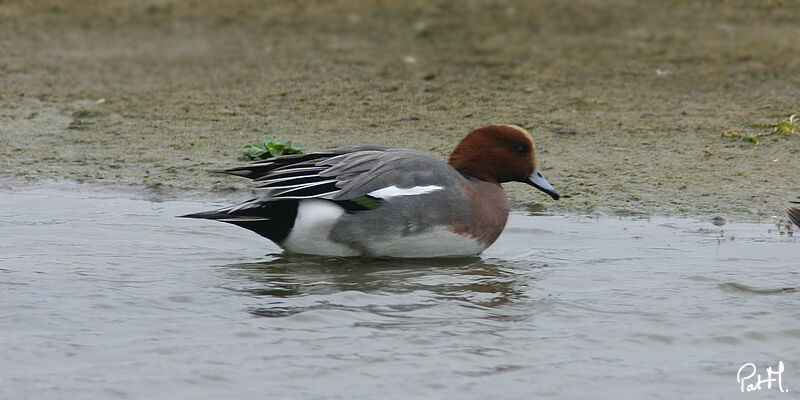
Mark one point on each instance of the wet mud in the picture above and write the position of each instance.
(627, 100)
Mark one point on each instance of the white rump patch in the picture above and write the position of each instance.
(315, 219)
(394, 191)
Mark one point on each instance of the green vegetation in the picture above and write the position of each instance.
(271, 147)
(788, 126)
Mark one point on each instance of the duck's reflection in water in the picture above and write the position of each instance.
(291, 284)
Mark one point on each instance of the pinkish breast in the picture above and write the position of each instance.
(488, 211)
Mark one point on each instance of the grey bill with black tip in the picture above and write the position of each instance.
(538, 181)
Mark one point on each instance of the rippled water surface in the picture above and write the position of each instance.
(104, 294)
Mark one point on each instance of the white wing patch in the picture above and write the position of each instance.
(394, 191)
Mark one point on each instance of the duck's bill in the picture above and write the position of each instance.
(537, 180)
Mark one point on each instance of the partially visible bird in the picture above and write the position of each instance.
(794, 214)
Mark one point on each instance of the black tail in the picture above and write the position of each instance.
(272, 220)
(794, 214)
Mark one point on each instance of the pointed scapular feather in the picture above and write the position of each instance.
(296, 183)
(311, 191)
(283, 180)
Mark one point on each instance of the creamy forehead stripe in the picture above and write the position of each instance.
(394, 191)
(518, 129)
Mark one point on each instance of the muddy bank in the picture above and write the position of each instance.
(627, 102)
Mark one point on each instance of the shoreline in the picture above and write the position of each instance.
(229, 196)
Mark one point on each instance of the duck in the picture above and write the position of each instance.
(384, 201)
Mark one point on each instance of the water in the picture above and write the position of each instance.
(104, 294)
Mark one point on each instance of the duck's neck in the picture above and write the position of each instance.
(468, 161)
(477, 174)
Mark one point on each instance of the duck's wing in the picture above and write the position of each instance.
(356, 178)
(794, 213)
(345, 173)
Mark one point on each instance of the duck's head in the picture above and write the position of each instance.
(500, 153)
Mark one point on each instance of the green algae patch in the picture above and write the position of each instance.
(271, 147)
(787, 126)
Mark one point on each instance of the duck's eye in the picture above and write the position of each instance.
(521, 150)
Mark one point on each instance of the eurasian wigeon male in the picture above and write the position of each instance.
(382, 201)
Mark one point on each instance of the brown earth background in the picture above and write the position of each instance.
(627, 100)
